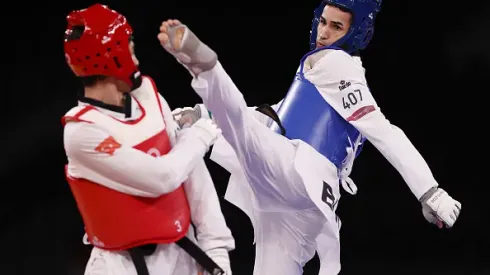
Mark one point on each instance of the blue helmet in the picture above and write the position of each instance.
(362, 28)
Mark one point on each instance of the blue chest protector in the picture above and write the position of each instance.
(306, 115)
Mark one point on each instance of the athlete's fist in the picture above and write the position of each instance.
(207, 131)
(441, 209)
(187, 116)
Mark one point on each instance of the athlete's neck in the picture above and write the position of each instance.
(105, 92)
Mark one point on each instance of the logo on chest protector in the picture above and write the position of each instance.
(344, 85)
(154, 152)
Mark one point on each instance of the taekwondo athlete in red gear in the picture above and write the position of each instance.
(286, 176)
(138, 180)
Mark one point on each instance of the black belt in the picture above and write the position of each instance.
(138, 256)
(268, 111)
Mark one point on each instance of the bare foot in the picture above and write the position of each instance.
(164, 35)
(192, 53)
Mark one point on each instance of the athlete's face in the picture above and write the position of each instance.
(334, 24)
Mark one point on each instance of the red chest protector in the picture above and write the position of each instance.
(117, 221)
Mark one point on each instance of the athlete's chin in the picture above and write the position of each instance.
(319, 45)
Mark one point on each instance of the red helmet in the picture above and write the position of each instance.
(97, 43)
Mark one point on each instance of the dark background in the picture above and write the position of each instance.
(427, 66)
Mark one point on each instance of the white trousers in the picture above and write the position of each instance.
(167, 259)
(265, 184)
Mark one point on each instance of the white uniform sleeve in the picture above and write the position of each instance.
(211, 229)
(341, 82)
(124, 168)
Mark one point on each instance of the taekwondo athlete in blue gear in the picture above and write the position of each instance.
(288, 184)
(304, 109)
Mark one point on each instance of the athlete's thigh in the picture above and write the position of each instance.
(328, 248)
(268, 162)
(102, 262)
(272, 258)
(280, 245)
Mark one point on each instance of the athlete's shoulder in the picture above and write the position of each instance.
(148, 83)
(74, 114)
(331, 67)
(147, 88)
(147, 80)
(75, 110)
(339, 62)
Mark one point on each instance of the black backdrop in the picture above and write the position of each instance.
(427, 66)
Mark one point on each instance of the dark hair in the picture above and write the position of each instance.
(90, 81)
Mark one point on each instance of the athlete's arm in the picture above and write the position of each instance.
(211, 229)
(95, 155)
(341, 82)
